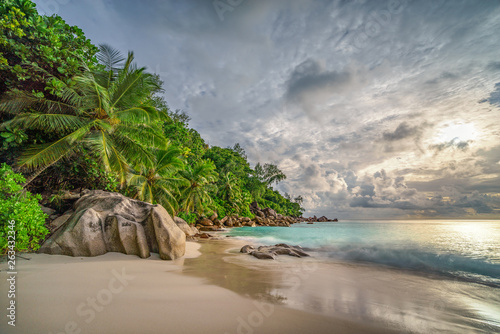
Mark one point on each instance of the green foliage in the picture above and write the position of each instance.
(194, 196)
(228, 160)
(268, 174)
(280, 203)
(156, 182)
(12, 137)
(190, 218)
(81, 171)
(31, 45)
(22, 208)
(176, 129)
(104, 112)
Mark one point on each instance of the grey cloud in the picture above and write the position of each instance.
(454, 143)
(309, 77)
(493, 66)
(443, 77)
(403, 131)
(494, 98)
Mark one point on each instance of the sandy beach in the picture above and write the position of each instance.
(116, 293)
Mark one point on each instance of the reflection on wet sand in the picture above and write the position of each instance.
(394, 298)
(216, 266)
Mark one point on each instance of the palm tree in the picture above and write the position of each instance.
(229, 189)
(105, 111)
(199, 178)
(156, 183)
(268, 174)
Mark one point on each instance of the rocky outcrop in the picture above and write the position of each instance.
(205, 222)
(315, 219)
(263, 217)
(110, 222)
(270, 252)
(188, 230)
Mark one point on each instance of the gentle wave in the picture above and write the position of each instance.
(475, 269)
(463, 250)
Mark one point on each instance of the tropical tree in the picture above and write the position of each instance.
(198, 179)
(156, 182)
(27, 39)
(103, 111)
(268, 174)
(229, 189)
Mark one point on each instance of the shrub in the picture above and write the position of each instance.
(22, 208)
(190, 218)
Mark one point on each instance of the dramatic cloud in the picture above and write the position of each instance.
(371, 108)
(494, 97)
(403, 131)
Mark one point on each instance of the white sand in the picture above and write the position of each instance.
(116, 293)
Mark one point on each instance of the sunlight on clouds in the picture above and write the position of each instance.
(458, 132)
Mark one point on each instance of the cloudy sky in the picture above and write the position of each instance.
(373, 109)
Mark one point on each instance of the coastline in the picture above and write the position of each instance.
(122, 293)
(404, 300)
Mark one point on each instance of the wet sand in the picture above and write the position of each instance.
(116, 293)
(405, 301)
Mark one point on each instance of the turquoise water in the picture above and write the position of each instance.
(418, 276)
(469, 250)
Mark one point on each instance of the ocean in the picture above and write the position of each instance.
(419, 276)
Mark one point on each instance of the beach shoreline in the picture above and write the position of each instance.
(121, 293)
(407, 301)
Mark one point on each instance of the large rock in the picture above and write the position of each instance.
(229, 222)
(260, 214)
(60, 220)
(188, 230)
(208, 228)
(269, 212)
(195, 230)
(254, 207)
(110, 222)
(47, 211)
(205, 222)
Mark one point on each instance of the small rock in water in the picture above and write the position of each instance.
(263, 255)
(270, 252)
(247, 249)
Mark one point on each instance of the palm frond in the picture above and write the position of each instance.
(166, 198)
(143, 134)
(132, 150)
(129, 61)
(133, 115)
(46, 122)
(38, 156)
(168, 160)
(101, 143)
(17, 101)
(94, 94)
(125, 89)
(109, 57)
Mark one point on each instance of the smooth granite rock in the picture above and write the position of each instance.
(110, 222)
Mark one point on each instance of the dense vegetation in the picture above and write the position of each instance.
(76, 116)
(22, 209)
